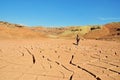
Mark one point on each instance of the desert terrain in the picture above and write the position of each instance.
(38, 53)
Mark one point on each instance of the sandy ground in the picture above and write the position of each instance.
(59, 59)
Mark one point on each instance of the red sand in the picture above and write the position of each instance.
(59, 59)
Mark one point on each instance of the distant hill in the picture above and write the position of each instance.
(11, 31)
(109, 31)
(7, 24)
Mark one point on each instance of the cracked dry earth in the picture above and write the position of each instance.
(59, 59)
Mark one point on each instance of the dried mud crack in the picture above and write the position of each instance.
(33, 57)
(54, 59)
(22, 53)
(71, 62)
(114, 71)
(71, 77)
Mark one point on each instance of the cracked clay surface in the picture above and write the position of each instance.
(59, 59)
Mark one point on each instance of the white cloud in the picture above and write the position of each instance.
(108, 18)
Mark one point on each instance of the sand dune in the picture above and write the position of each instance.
(59, 59)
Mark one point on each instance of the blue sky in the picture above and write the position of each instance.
(59, 12)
